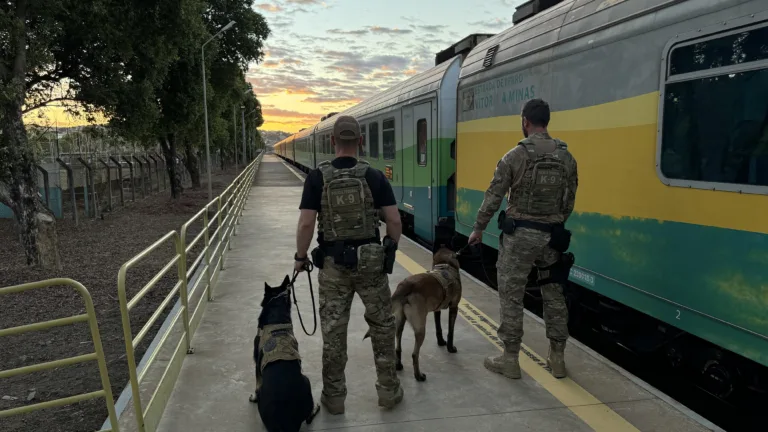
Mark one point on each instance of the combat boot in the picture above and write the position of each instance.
(556, 358)
(506, 364)
(389, 399)
(334, 405)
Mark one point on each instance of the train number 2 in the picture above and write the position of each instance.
(678, 314)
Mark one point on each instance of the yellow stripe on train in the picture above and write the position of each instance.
(615, 148)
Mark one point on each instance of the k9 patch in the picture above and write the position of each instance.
(345, 197)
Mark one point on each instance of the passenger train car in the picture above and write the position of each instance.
(664, 104)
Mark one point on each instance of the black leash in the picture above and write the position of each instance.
(308, 267)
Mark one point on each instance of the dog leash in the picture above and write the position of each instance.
(309, 267)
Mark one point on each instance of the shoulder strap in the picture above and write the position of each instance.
(326, 169)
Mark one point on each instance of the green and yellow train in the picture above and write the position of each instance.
(664, 104)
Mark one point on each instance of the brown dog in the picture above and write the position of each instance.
(419, 294)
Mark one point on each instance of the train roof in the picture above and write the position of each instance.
(565, 21)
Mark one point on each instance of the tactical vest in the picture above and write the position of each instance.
(346, 207)
(542, 189)
(448, 276)
(277, 343)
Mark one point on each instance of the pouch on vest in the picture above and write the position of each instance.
(345, 256)
(370, 258)
(560, 239)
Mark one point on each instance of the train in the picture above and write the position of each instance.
(664, 104)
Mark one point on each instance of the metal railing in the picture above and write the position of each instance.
(228, 210)
(98, 354)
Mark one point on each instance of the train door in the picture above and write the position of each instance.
(405, 162)
(422, 160)
(311, 149)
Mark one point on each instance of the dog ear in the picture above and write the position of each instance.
(286, 281)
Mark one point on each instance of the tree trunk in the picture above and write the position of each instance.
(192, 164)
(168, 144)
(19, 191)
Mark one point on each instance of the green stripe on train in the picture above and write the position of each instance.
(711, 282)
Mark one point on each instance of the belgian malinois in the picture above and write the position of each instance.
(283, 393)
(418, 295)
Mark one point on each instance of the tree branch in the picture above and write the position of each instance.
(45, 103)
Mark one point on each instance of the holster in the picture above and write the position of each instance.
(556, 273)
(560, 239)
(506, 225)
(390, 253)
(318, 257)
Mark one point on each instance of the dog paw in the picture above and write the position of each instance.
(441, 342)
(420, 377)
(452, 350)
(399, 366)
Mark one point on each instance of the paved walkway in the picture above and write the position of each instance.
(459, 394)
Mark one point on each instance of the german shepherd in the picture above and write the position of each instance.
(283, 393)
(419, 294)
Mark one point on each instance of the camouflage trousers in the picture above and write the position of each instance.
(517, 254)
(338, 286)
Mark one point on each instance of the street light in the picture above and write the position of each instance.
(205, 108)
(234, 117)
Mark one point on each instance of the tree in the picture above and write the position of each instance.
(45, 43)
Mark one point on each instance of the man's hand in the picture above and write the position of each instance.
(300, 264)
(475, 237)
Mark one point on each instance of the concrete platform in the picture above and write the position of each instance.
(459, 393)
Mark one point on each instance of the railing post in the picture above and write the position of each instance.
(181, 250)
(208, 272)
(221, 232)
(119, 179)
(71, 182)
(128, 337)
(141, 175)
(133, 185)
(109, 180)
(46, 187)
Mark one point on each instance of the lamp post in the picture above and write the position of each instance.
(205, 109)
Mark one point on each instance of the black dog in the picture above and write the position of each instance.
(283, 393)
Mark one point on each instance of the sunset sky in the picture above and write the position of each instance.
(325, 56)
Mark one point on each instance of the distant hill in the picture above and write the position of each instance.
(273, 137)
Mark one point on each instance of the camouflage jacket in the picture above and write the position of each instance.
(508, 175)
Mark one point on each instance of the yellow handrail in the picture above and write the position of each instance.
(229, 206)
(98, 354)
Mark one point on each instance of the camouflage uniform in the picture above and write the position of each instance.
(527, 247)
(348, 215)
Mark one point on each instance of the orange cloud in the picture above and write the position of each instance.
(269, 7)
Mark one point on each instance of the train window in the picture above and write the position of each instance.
(373, 139)
(715, 117)
(362, 134)
(388, 138)
(421, 141)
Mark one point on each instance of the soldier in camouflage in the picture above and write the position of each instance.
(539, 175)
(346, 195)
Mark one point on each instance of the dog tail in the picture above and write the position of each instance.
(399, 297)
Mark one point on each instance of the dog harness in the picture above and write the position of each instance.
(448, 276)
(277, 343)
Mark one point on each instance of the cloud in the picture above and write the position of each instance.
(431, 28)
(388, 30)
(305, 2)
(494, 23)
(297, 115)
(348, 32)
(268, 7)
(337, 98)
